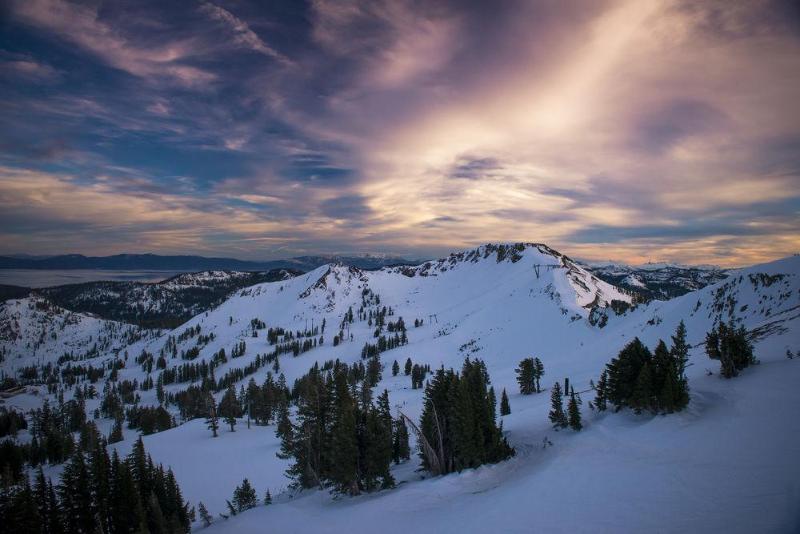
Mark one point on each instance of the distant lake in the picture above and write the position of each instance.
(47, 278)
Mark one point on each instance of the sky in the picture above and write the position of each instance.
(632, 130)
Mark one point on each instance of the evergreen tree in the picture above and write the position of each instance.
(680, 350)
(663, 372)
(205, 517)
(284, 427)
(344, 445)
(116, 432)
(408, 366)
(557, 415)
(75, 495)
(126, 512)
(505, 408)
(268, 498)
(395, 368)
(574, 411)
(458, 425)
(400, 448)
(643, 391)
(623, 374)
(212, 421)
(526, 376)
(244, 497)
(538, 372)
(229, 407)
(731, 347)
(601, 392)
(24, 513)
(100, 474)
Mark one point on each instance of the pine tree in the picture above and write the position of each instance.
(229, 407)
(400, 448)
(75, 494)
(557, 415)
(205, 517)
(731, 347)
(212, 421)
(40, 491)
(284, 427)
(505, 408)
(126, 512)
(408, 366)
(538, 367)
(680, 350)
(244, 497)
(643, 391)
(623, 374)
(573, 408)
(100, 474)
(601, 392)
(458, 425)
(24, 516)
(395, 368)
(116, 432)
(344, 446)
(526, 376)
(663, 379)
(268, 498)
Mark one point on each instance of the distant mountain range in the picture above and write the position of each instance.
(155, 262)
(660, 281)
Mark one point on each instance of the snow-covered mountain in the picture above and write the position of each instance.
(157, 305)
(35, 332)
(660, 281)
(738, 441)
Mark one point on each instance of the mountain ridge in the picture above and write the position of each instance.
(158, 262)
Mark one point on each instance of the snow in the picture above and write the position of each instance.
(209, 469)
(730, 462)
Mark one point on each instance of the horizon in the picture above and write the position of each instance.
(389, 255)
(664, 131)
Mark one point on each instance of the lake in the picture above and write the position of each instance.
(47, 278)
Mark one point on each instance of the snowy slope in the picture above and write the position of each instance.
(34, 331)
(659, 280)
(729, 462)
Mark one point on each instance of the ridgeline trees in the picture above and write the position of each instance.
(458, 428)
(529, 373)
(640, 380)
(731, 347)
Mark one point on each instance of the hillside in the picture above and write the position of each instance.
(717, 463)
(661, 281)
(157, 305)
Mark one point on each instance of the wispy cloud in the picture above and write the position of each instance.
(242, 34)
(82, 26)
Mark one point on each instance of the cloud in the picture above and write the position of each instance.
(82, 25)
(28, 68)
(352, 208)
(612, 128)
(243, 35)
